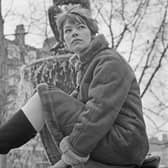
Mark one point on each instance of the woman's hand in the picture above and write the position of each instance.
(59, 164)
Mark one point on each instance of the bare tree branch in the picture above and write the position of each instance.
(121, 36)
(155, 71)
(146, 66)
(8, 11)
(110, 23)
(139, 16)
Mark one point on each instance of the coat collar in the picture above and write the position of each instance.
(97, 44)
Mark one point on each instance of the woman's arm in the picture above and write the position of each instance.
(107, 92)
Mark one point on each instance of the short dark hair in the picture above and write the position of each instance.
(77, 15)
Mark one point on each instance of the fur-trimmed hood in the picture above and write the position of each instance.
(97, 44)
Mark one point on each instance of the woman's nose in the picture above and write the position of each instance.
(74, 33)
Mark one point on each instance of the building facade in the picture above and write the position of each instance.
(27, 66)
(19, 54)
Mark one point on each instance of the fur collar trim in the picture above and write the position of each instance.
(97, 44)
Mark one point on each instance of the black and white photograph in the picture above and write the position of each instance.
(83, 83)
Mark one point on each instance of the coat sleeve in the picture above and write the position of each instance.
(107, 92)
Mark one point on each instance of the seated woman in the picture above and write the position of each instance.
(104, 123)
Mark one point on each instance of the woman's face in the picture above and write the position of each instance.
(77, 36)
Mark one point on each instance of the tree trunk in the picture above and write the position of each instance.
(3, 73)
(2, 46)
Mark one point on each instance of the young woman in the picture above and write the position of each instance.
(104, 124)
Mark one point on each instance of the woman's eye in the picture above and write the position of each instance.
(67, 30)
(81, 26)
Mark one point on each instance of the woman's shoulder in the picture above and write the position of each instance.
(111, 57)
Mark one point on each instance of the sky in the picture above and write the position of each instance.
(33, 14)
(30, 13)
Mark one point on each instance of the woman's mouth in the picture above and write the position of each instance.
(76, 41)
